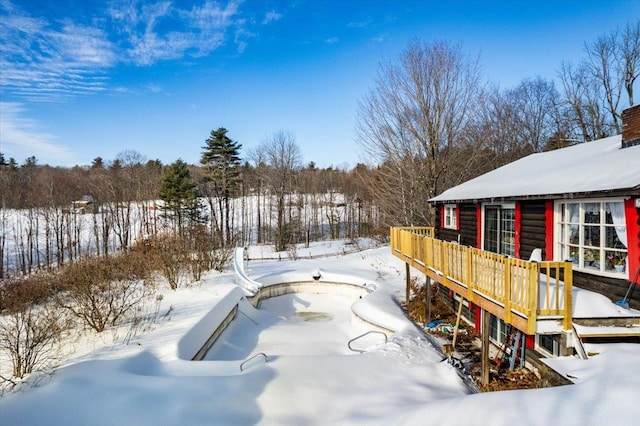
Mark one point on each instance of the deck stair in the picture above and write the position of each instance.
(580, 350)
(512, 349)
(620, 329)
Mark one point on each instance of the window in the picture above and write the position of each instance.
(497, 329)
(500, 230)
(593, 235)
(548, 343)
(450, 216)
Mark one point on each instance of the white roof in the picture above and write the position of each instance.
(601, 165)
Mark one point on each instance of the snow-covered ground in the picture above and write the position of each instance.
(149, 381)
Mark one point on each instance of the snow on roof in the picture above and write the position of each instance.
(601, 165)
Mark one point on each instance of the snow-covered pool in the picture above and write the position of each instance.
(294, 324)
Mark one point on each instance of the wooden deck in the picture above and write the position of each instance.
(515, 290)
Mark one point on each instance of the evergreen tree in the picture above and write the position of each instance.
(116, 164)
(179, 193)
(30, 162)
(97, 163)
(221, 157)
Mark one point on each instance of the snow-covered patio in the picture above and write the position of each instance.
(151, 381)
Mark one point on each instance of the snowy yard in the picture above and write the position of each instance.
(314, 379)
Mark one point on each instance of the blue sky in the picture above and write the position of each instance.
(81, 79)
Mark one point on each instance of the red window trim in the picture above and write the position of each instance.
(632, 216)
(548, 238)
(478, 226)
(518, 228)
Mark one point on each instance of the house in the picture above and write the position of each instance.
(86, 204)
(579, 203)
(575, 212)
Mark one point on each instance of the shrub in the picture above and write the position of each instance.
(28, 335)
(103, 291)
(170, 255)
(29, 290)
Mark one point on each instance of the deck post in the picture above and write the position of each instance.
(507, 290)
(568, 296)
(407, 273)
(484, 378)
(457, 327)
(427, 301)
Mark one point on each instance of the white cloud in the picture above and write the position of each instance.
(271, 16)
(379, 38)
(154, 88)
(360, 24)
(332, 40)
(49, 60)
(196, 32)
(240, 39)
(22, 137)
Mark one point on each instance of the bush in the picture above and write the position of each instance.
(30, 290)
(208, 251)
(170, 256)
(28, 335)
(103, 291)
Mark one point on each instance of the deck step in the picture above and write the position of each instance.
(604, 331)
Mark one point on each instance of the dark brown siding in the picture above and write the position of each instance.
(612, 288)
(467, 226)
(532, 231)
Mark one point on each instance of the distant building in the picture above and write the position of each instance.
(86, 204)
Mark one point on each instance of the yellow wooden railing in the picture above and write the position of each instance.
(516, 290)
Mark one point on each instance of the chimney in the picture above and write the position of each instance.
(631, 126)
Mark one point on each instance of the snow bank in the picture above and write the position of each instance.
(191, 343)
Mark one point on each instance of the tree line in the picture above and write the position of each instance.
(51, 216)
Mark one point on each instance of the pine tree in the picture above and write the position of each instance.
(221, 157)
(179, 193)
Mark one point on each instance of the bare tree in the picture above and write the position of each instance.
(612, 64)
(419, 107)
(126, 183)
(602, 61)
(284, 158)
(630, 52)
(583, 103)
(536, 101)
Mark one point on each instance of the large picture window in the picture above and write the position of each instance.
(593, 235)
(499, 230)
